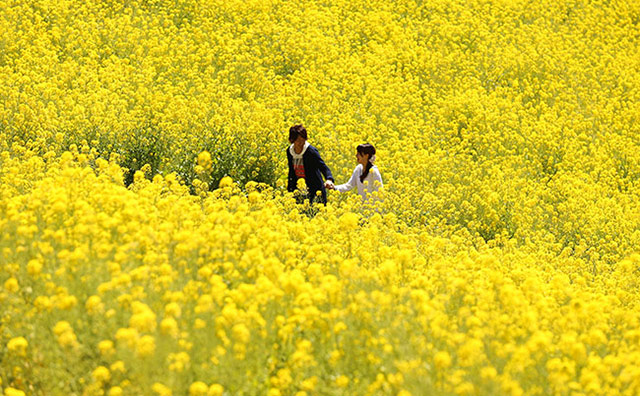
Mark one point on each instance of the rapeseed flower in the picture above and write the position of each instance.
(198, 389)
(101, 374)
(161, 389)
(106, 348)
(11, 285)
(9, 391)
(18, 345)
(115, 391)
(146, 346)
(442, 360)
(34, 267)
(65, 334)
(342, 381)
(215, 390)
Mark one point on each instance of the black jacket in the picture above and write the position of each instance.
(314, 168)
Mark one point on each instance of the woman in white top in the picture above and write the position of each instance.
(366, 176)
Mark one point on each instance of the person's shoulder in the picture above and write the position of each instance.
(358, 169)
(289, 153)
(312, 150)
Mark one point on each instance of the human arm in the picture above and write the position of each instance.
(324, 169)
(350, 184)
(291, 178)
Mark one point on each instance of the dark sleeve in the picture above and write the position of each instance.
(324, 169)
(291, 178)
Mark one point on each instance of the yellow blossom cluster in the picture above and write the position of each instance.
(148, 289)
(148, 246)
(503, 118)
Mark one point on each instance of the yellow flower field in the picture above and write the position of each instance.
(148, 245)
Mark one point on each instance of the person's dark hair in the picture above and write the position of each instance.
(366, 149)
(295, 131)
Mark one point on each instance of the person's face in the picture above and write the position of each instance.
(298, 144)
(362, 158)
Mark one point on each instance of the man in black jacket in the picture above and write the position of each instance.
(305, 162)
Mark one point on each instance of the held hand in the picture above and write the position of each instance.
(329, 185)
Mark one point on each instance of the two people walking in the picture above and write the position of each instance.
(305, 163)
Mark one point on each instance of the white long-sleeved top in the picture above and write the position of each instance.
(354, 181)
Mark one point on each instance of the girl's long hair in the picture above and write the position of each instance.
(371, 151)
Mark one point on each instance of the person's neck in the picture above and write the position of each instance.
(299, 150)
